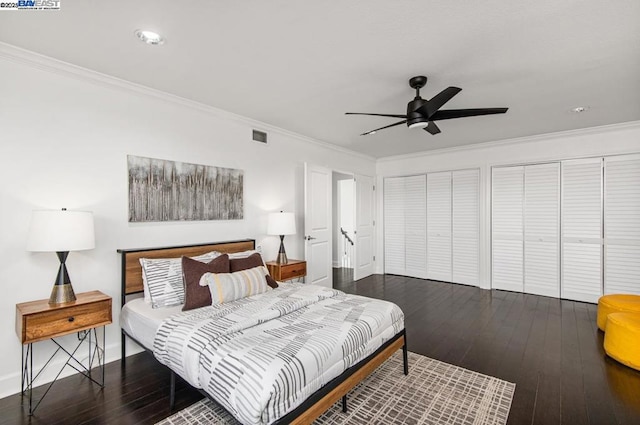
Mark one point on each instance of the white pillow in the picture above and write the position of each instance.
(226, 287)
(245, 254)
(162, 279)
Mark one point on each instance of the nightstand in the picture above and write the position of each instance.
(291, 270)
(38, 321)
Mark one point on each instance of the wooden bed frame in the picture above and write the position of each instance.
(319, 401)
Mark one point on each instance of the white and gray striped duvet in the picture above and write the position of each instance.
(262, 356)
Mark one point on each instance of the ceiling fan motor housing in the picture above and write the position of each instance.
(413, 116)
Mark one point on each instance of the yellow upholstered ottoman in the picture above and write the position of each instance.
(622, 338)
(614, 303)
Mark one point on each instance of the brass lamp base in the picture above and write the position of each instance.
(61, 294)
(282, 256)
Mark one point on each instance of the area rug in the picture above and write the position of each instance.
(433, 393)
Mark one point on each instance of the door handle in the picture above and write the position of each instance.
(308, 238)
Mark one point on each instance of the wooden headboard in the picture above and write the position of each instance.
(131, 270)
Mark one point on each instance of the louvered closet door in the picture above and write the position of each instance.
(542, 229)
(466, 213)
(415, 216)
(622, 224)
(394, 240)
(507, 228)
(439, 226)
(582, 230)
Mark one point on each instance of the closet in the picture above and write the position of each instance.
(568, 229)
(431, 226)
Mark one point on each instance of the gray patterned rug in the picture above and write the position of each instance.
(433, 393)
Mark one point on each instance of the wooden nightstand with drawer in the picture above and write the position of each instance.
(39, 320)
(291, 270)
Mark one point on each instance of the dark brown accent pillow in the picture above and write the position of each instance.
(271, 281)
(238, 264)
(196, 296)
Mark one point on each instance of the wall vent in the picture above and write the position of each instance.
(260, 136)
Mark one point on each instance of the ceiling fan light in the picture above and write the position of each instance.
(419, 124)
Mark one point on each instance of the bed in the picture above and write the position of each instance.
(341, 369)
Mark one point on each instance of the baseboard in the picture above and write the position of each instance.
(10, 384)
(337, 264)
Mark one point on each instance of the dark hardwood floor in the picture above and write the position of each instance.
(550, 348)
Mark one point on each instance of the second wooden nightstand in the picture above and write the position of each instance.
(291, 270)
(39, 320)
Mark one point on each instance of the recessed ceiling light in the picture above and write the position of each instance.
(579, 109)
(150, 37)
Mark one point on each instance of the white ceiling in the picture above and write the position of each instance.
(300, 65)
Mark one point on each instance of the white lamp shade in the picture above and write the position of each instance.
(61, 230)
(281, 223)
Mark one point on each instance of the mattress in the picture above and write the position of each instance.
(140, 321)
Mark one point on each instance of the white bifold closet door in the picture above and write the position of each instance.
(439, 226)
(405, 221)
(507, 227)
(542, 229)
(466, 237)
(582, 229)
(622, 224)
(394, 238)
(415, 219)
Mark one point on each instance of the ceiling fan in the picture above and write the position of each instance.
(422, 113)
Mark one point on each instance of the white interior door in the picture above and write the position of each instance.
(466, 227)
(542, 229)
(415, 225)
(363, 227)
(439, 226)
(582, 229)
(394, 239)
(507, 228)
(317, 225)
(622, 224)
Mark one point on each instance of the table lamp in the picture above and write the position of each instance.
(61, 231)
(281, 224)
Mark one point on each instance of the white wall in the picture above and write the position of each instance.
(64, 138)
(597, 141)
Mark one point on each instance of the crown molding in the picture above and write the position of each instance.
(517, 140)
(41, 62)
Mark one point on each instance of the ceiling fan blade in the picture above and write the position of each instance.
(437, 101)
(448, 114)
(376, 115)
(432, 128)
(382, 128)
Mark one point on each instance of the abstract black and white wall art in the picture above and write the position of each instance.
(161, 190)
